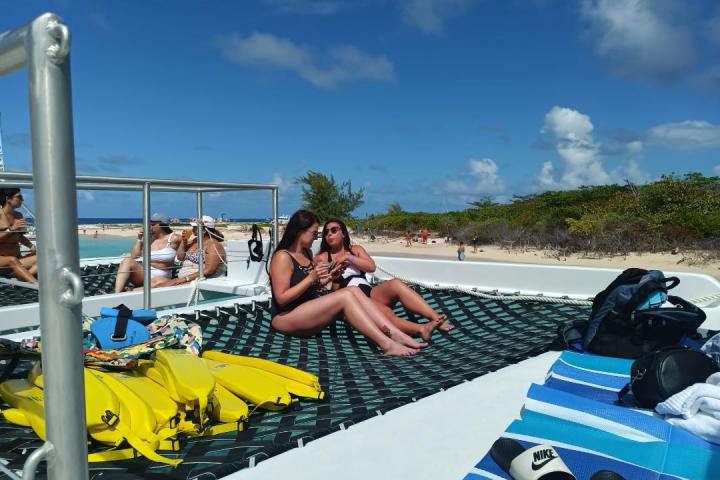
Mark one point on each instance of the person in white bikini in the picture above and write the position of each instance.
(163, 250)
(337, 250)
(214, 260)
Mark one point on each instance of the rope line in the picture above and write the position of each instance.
(494, 294)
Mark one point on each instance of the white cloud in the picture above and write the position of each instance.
(284, 185)
(339, 64)
(545, 178)
(429, 16)
(85, 196)
(581, 157)
(640, 38)
(484, 180)
(687, 135)
(631, 170)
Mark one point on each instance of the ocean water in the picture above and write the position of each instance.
(104, 245)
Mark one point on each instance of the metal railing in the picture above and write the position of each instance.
(43, 47)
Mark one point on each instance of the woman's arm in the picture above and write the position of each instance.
(183, 248)
(137, 247)
(281, 268)
(361, 259)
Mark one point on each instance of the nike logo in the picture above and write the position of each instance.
(539, 465)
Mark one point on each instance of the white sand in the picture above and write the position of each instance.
(683, 262)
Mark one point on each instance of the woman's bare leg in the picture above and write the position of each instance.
(423, 330)
(313, 315)
(372, 309)
(393, 290)
(20, 272)
(129, 270)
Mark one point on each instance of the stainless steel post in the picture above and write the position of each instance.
(61, 289)
(13, 54)
(275, 239)
(147, 240)
(201, 232)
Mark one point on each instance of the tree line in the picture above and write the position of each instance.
(674, 211)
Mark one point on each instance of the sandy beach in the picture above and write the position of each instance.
(437, 248)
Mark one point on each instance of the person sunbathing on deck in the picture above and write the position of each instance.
(298, 309)
(12, 235)
(214, 259)
(337, 249)
(163, 249)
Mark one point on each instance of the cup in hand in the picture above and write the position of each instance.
(187, 233)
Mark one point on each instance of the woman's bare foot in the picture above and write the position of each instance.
(443, 324)
(402, 338)
(427, 329)
(397, 350)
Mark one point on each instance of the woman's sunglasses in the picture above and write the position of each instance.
(19, 195)
(332, 230)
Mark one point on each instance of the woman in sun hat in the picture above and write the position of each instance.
(163, 249)
(214, 258)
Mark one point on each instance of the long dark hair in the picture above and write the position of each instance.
(324, 247)
(299, 221)
(6, 193)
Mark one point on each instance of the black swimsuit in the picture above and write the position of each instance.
(298, 275)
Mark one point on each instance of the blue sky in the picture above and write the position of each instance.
(430, 103)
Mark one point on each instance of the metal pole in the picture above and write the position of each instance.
(13, 52)
(201, 232)
(147, 240)
(61, 289)
(275, 239)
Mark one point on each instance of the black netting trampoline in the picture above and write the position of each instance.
(96, 278)
(489, 334)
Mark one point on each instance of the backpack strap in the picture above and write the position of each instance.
(124, 314)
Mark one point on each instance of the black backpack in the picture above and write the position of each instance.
(617, 328)
(255, 245)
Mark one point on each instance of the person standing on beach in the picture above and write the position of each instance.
(12, 235)
(408, 239)
(461, 251)
(475, 241)
(424, 235)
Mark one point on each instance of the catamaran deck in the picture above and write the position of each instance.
(362, 384)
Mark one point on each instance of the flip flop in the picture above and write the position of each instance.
(540, 462)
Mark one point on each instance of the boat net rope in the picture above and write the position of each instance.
(495, 294)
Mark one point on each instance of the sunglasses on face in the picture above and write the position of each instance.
(19, 196)
(332, 230)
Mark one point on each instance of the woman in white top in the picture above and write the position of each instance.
(338, 251)
(214, 258)
(163, 251)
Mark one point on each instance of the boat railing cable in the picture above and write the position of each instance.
(516, 296)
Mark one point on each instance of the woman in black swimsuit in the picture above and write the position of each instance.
(298, 309)
(354, 262)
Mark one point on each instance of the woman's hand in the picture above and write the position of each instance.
(321, 273)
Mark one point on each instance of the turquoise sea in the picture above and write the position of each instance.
(104, 246)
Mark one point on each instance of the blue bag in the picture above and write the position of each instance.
(117, 328)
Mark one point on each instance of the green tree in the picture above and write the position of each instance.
(394, 209)
(326, 198)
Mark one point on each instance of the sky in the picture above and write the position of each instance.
(427, 103)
